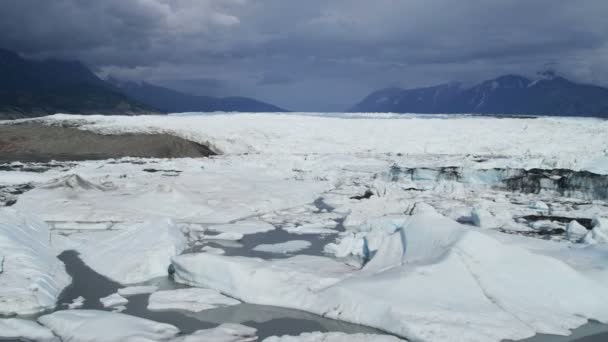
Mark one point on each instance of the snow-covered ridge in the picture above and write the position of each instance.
(560, 142)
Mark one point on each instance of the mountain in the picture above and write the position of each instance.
(30, 88)
(172, 101)
(510, 94)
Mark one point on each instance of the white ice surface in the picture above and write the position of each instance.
(32, 277)
(333, 337)
(283, 247)
(502, 291)
(191, 299)
(15, 328)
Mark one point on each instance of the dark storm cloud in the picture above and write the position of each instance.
(314, 54)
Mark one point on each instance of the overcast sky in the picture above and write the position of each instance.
(314, 55)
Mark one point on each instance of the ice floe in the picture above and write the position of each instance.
(113, 300)
(191, 299)
(283, 247)
(102, 326)
(77, 303)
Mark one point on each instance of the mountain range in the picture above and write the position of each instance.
(172, 101)
(31, 88)
(509, 94)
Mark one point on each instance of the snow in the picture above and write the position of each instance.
(137, 290)
(32, 277)
(113, 300)
(283, 247)
(191, 299)
(333, 337)
(135, 254)
(15, 328)
(102, 326)
(504, 291)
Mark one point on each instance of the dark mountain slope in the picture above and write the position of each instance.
(30, 88)
(172, 101)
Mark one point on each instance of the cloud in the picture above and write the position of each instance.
(314, 54)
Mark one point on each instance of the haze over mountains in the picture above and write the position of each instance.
(509, 94)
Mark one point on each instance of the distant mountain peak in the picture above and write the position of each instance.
(507, 94)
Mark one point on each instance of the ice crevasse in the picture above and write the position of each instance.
(429, 279)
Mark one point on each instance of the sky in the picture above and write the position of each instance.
(313, 55)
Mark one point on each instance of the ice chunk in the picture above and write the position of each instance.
(136, 254)
(599, 233)
(77, 303)
(575, 231)
(15, 328)
(192, 299)
(223, 333)
(333, 337)
(113, 300)
(32, 277)
(485, 219)
(539, 205)
(137, 290)
(284, 247)
(105, 326)
(243, 227)
(213, 250)
(225, 236)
